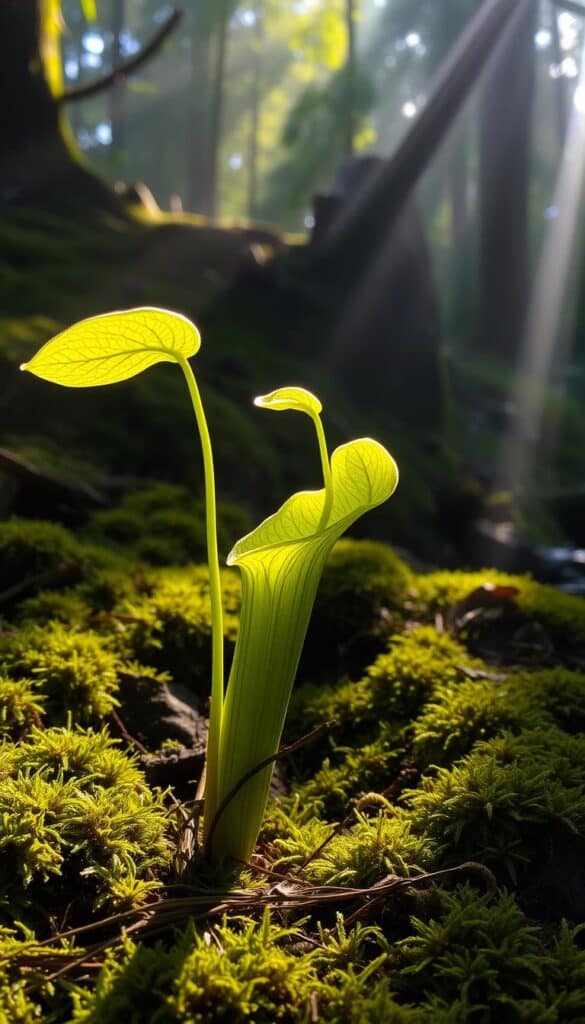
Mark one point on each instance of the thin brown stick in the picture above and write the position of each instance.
(83, 92)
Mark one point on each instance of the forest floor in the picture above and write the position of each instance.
(421, 859)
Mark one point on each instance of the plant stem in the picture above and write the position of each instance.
(216, 710)
(326, 467)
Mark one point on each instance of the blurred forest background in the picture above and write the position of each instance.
(378, 199)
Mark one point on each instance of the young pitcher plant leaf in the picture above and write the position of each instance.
(281, 562)
(290, 398)
(114, 347)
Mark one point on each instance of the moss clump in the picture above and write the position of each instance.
(350, 773)
(21, 707)
(243, 973)
(561, 615)
(477, 709)
(363, 581)
(501, 804)
(458, 716)
(74, 807)
(75, 671)
(66, 606)
(232, 974)
(170, 627)
(475, 953)
(30, 548)
(375, 847)
(393, 689)
(164, 525)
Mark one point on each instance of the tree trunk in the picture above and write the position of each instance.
(39, 163)
(119, 89)
(561, 91)
(255, 112)
(217, 105)
(198, 131)
(350, 78)
(505, 157)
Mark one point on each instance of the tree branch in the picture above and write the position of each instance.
(82, 92)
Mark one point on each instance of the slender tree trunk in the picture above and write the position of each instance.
(198, 131)
(505, 157)
(118, 93)
(39, 163)
(350, 78)
(561, 98)
(458, 186)
(255, 112)
(217, 106)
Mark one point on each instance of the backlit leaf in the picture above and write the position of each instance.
(363, 474)
(290, 398)
(114, 347)
(281, 563)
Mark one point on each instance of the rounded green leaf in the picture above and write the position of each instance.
(290, 398)
(114, 347)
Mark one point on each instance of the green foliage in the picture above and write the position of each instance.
(375, 847)
(563, 615)
(29, 548)
(394, 688)
(110, 348)
(232, 974)
(169, 627)
(354, 771)
(163, 524)
(76, 671)
(500, 804)
(72, 806)
(281, 563)
(459, 715)
(21, 706)
(66, 606)
(477, 953)
(362, 581)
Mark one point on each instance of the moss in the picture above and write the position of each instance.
(170, 628)
(459, 715)
(372, 848)
(74, 807)
(29, 548)
(230, 973)
(164, 524)
(394, 688)
(561, 615)
(21, 707)
(476, 953)
(332, 790)
(500, 804)
(362, 582)
(75, 671)
(243, 973)
(66, 606)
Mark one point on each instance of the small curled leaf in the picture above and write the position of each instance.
(290, 398)
(114, 347)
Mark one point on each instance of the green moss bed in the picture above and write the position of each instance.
(423, 857)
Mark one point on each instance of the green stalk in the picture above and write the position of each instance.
(217, 693)
(326, 467)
